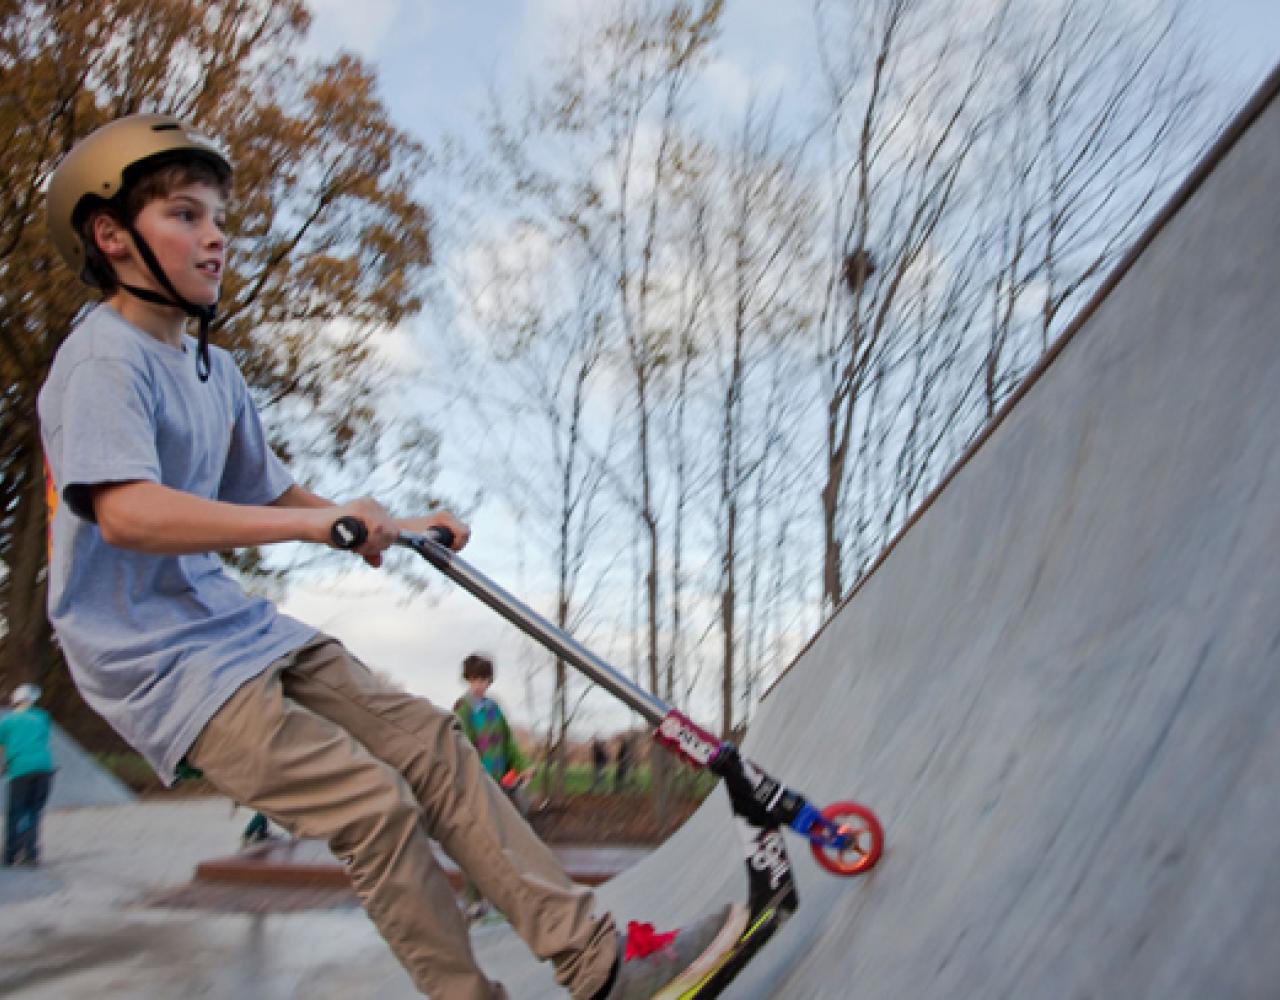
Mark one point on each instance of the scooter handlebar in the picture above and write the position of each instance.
(349, 533)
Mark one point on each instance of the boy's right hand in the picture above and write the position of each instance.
(380, 526)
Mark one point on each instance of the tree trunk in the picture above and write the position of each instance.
(27, 651)
(728, 623)
(832, 499)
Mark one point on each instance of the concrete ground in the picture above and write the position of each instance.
(89, 923)
(80, 927)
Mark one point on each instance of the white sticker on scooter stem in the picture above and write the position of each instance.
(769, 856)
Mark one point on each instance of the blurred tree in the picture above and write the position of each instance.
(328, 241)
(988, 165)
(597, 167)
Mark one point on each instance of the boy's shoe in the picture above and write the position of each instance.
(666, 965)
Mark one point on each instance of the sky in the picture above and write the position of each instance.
(438, 58)
(437, 61)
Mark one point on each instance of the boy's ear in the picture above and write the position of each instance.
(109, 236)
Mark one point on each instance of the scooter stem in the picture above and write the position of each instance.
(470, 579)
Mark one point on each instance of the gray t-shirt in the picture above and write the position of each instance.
(156, 643)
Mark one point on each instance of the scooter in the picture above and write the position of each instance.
(846, 838)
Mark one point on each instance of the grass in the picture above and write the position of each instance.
(579, 779)
(130, 768)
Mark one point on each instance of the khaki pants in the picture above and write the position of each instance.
(327, 750)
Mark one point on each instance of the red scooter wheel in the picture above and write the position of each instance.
(866, 839)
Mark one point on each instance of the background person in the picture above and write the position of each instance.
(486, 726)
(24, 738)
(599, 760)
(622, 763)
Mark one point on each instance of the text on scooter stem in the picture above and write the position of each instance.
(690, 741)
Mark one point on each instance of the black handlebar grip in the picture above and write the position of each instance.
(439, 533)
(348, 533)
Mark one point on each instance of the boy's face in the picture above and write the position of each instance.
(479, 686)
(185, 231)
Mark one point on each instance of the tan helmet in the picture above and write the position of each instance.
(95, 171)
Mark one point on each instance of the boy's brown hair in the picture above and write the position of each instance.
(148, 185)
(477, 666)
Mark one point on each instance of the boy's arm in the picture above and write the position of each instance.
(148, 517)
(511, 749)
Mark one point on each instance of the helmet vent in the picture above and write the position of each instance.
(166, 127)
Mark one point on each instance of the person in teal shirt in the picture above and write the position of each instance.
(24, 738)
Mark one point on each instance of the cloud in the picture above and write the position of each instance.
(367, 27)
(728, 87)
(418, 641)
(544, 22)
(506, 273)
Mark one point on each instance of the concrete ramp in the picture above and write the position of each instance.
(1060, 690)
(81, 781)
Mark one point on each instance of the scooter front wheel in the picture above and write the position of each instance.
(861, 836)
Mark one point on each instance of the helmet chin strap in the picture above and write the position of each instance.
(204, 314)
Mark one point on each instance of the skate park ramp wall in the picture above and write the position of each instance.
(80, 780)
(1060, 688)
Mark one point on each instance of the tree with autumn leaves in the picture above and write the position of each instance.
(328, 242)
